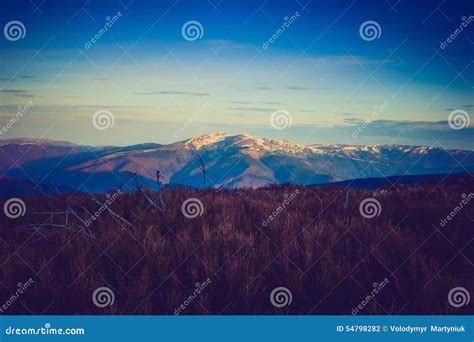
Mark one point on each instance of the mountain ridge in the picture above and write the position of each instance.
(230, 161)
(224, 134)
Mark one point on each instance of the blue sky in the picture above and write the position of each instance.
(161, 87)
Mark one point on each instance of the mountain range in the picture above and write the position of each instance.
(229, 161)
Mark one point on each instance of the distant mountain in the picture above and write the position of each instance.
(230, 161)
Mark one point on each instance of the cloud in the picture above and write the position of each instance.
(254, 102)
(353, 120)
(94, 108)
(398, 132)
(348, 60)
(253, 109)
(11, 79)
(26, 95)
(173, 92)
(463, 106)
(297, 88)
(17, 92)
(13, 91)
(307, 88)
(269, 102)
(426, 129)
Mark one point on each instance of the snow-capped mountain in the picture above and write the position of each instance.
(229, 160)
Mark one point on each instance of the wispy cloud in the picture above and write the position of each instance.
(270, 102)
(172, 92)
(253, 109)
(307, 88)
(350, 120)
(255, 102)
(26, 95)
(17, 92)
(349, 60)
(462, 106)
(406, 127)
(298, 88)
(13, 91)
(11, 79)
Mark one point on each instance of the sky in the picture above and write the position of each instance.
(303, 70)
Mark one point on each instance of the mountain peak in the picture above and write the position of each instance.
(205, 140)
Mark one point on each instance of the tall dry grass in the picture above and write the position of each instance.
(329, 258)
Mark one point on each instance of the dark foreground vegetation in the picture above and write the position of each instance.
(318, 246)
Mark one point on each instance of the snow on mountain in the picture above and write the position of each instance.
(247, 141)
(230, 160)
(205, 140)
